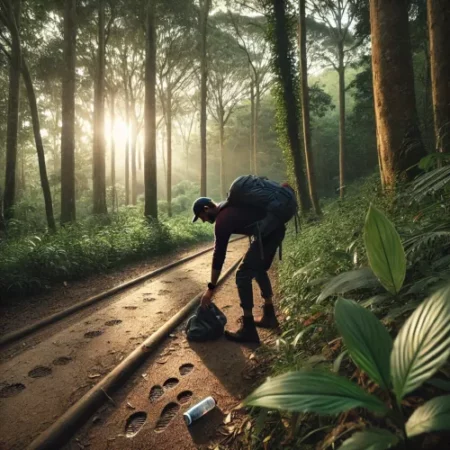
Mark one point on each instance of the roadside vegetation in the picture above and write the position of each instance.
(353, 290)
(32, 259)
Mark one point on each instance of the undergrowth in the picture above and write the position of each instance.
(308, 288)
(31, 262)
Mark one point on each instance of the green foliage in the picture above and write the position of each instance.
(422, 345)
(309, 391)
(366, 339)
(336, 246)
(31, 262)
(384, 250)
(373, 439)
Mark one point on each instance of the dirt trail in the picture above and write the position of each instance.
(148, 411)
(40, 383)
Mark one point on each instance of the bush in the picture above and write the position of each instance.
(96, 244)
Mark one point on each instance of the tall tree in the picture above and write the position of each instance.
(112, 97)
(98, 160)
(280, 30)
(439, 36)
(68, 114)
(12, 14)
(151, 200)
(175, 66)
(304, 93)
(227, 88)
(11, 24)
(251, 38)
(338, 16)
(399, 137)
(203, 22)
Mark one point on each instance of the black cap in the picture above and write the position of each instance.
(199, 206)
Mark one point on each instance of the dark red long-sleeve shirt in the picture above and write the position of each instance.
(233, 220)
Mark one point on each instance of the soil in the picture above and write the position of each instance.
(41, 376)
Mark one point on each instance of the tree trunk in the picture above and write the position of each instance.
(255, 125)
(150, 181)
(68, 115)
(12, 124)
(393, 83)
(2, 217)
(252, 124)
(39, 147)
(113, 149)
(133, 132)
(223, 188)
(341, 73)
(439, 37)
(204, 12)
(169, 150)
(99, 171)
(283, 62)
(304, 92)
(127, 145)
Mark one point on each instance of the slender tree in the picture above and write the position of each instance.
(112, 96)
(68, 114)
(393, 83)
(439, 37)
(304, 93)
(151, 201)
(283, 62)
(251, 39)
(12, 15)
(99, 169)
(11, 24)
(339, 47)
(203, 22)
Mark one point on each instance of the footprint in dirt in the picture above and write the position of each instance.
(186, 368)
(182, 278)
(156, 392)
(170, 383)
(184, 397)
(134, 423)
(11, 390)
(130, 307)
(166, 281)
(167, 415)
(39, 372)
(111, 323)
(149, 299)
(62, 361)
(93, 334)
(164, 292)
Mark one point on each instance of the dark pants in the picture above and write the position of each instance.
(254, 267)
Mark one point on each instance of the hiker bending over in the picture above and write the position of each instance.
(255, 207)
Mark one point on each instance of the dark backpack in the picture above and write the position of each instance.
(277, 200)
(206, 324)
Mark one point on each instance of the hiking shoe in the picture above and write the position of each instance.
(247, 332)
(269, 319)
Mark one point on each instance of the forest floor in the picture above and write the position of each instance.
(17, 312)
(54, 368)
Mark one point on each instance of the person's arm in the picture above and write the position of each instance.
(220, 250)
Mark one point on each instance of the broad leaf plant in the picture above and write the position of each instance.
(399, 367)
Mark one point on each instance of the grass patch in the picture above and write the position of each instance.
(31, 262)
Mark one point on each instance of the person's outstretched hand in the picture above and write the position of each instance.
(206, 298)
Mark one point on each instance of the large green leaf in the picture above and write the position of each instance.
(384, 250)
(422, 345)
(313, 391)
(432, 416)
(366, 339)
(373, 439)
(349, 281)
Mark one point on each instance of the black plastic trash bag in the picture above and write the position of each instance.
(206, 324)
